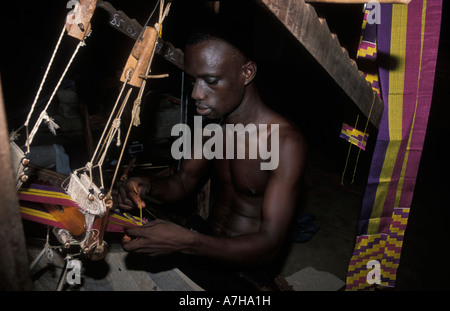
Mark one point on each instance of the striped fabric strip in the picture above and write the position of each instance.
(388, 179)
(354, 136)
(31, 209)
(37, 213)
(409, 35)
(117, 221)
(45, 194)
(367, 50)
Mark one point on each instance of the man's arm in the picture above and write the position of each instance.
(279, 205)
(191, 176)
(168, 189)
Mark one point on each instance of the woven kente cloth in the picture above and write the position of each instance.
(31, 209)
(354, 136)
(367, 50)
(407, 37)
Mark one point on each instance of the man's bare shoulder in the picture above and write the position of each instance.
(292, 145)
(289, 132)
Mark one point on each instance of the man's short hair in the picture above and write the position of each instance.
(234, 33)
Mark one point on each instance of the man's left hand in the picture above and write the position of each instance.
(158, 237)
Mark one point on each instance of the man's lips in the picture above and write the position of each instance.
(202, 110)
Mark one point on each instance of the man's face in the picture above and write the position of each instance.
(217, 76)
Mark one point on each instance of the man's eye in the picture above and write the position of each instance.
(211, 81)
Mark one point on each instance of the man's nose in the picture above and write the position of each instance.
(197, 92)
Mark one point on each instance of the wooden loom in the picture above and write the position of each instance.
(81, 15)
(85, 224)
(81, 186)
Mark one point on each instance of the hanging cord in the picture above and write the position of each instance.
(128, 77)
(14, 134)
(114, 129)
(44, 115)
(103, 147)
(137, 103)
(348, 153)
(365, 131)
(45, 76)
(113, 123)
(133, 117)
(359, 151)
(110, 116)
(106, 140)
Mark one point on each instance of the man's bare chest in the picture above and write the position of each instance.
(242, 176)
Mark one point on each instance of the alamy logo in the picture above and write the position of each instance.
(373, 276)
(74, 16)
(213, 148)
(374, 12)
(74, 275)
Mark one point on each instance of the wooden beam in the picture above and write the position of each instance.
(312, 32)
(14, 272)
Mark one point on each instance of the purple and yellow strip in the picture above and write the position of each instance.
(354, 136)
(30, 200)
(409, 35)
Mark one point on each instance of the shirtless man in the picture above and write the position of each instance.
(252, 208)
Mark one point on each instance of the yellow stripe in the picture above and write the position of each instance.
(36, 213)
(126, 218)
(405, 162)
(371, 78)
(395, 106)
(45, 193)
(364, 52)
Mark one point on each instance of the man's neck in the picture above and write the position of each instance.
(249, 111)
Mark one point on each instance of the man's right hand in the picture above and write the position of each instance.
(132, 192)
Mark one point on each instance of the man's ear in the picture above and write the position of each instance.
(249, 69)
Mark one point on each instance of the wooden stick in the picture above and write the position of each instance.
(100, 248)
(140, 57)
(164, 75)
(78, 21)
(14, 274)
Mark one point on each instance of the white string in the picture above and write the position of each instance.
(110, 116)
(44, 112)
(45, 76)
(114, 128)
(137, 103)
(109, 137)
(110, 130)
